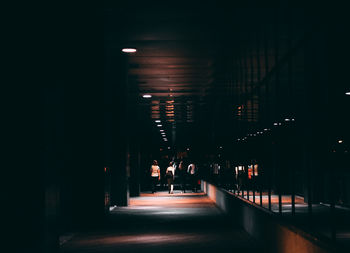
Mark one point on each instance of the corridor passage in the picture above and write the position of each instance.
(161, 222)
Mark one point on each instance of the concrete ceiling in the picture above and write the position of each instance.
(180, 60)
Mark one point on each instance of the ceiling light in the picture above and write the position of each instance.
(129, 50)
(275, 124)
(340, 141)
(161, 130)
(286, 119)
(159, 125)
(157, 121)
(147, 96)
(347, 93)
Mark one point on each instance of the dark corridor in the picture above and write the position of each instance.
(254, 94)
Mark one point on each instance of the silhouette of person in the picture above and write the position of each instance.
(155, 175)
(170, 174)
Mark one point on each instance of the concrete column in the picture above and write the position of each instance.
(315, 119)
(117, 118)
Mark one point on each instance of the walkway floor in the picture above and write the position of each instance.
(165, 223)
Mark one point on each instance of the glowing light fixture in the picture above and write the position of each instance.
(129, 50)
(347, 93)
(161, 130)
(159, 125)
(157, 121)
(286, 119)
(147, 96)
(340, 141)
(275, 124)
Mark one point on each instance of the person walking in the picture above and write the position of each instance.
(170, 174)
(182, 176)
(155, 175)
(192, 171)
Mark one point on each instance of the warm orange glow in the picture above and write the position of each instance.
(170, 101)
(212, 192)
(173, 200)
(250, 172)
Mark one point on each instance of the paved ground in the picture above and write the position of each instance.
(165, 223)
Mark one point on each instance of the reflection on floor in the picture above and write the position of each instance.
(165, 223)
